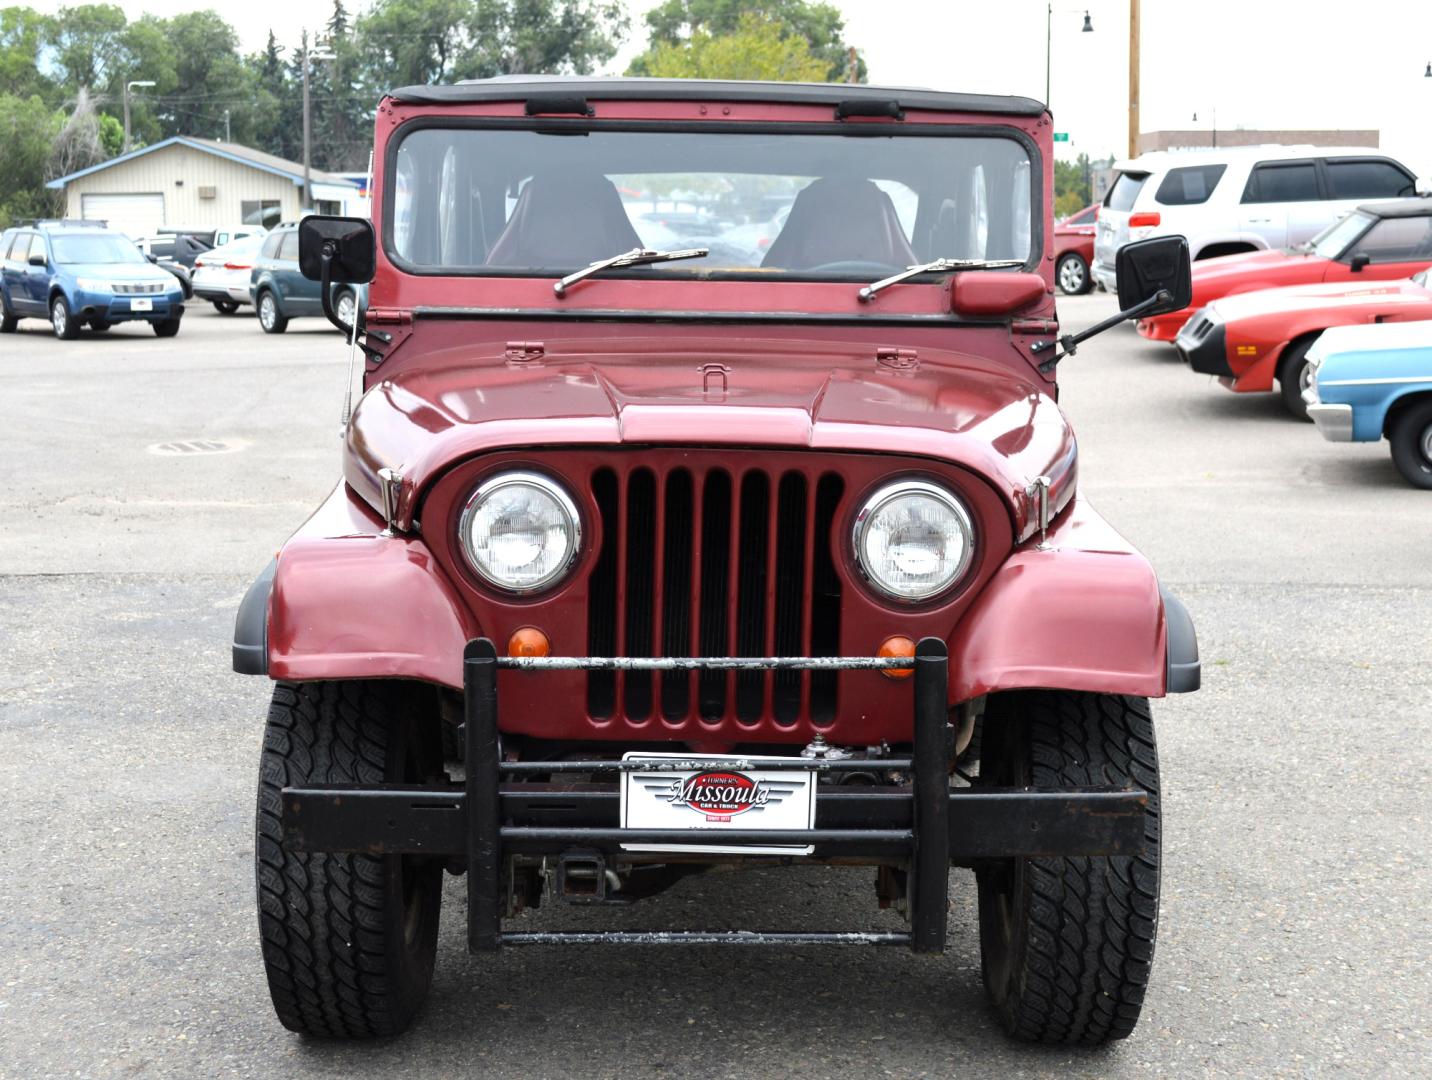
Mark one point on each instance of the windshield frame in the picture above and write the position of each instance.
(696, 276)
(1351, 215)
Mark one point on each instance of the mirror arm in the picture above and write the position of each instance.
(1070, 342)
(326, 291)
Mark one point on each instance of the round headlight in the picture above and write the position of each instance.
(521, 531)
(913, 540)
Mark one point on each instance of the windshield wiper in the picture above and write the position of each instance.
(634, 257)
(867, 294)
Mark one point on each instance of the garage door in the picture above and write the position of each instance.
(137, 215)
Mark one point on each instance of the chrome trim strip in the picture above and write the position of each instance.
(1389, 381)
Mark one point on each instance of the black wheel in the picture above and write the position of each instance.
(1411, 437)
(99, 326)
(8, 319)
(226, 307)
(1067, 944)
(167, 328)
(1073, 275)
(348, 940)
(1294, 376)
(61, 321)
(270, 317)
(345, 306)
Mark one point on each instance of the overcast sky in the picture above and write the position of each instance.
(1259, 63)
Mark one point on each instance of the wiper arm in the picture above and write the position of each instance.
(634, 257)
(867, 294)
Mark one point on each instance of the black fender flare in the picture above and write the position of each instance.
(1184, 674)
(251, 625)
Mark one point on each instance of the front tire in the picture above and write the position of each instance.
(348, 940)
(167, 328)
(270, 317)
(1067, 944)
(8, 319)
(62, 322)
(1073, 276)
(1410, 437)
(1294, 375)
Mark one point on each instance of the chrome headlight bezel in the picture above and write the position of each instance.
(898, 489)
(565, 504)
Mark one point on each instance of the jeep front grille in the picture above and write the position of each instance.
(706, 561)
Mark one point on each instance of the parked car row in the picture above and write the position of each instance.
(1341, 327)
(81, 273)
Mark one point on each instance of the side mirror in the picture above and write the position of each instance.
(38, 260)
(1358, 261)
(1157, 269)
(336, 249)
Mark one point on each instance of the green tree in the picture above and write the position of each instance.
(819, 25)
(88, 44)
(23, 34)
(28, 127)
(755, 49)
(1072, 190)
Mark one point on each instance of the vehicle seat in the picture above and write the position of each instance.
(565, 222)
(840, 220)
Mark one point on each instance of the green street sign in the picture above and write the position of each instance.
(1061, 136)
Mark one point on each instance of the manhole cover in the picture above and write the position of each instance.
(193, 447)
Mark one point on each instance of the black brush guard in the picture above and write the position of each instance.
(925, 826)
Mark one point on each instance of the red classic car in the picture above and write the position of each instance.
(1382, 241)
(1074, 251)
(709, 556)
(1250, 340)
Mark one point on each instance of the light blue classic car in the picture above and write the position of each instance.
(1373, 382)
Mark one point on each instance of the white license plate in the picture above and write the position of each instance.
(141, 304)
(717, 797)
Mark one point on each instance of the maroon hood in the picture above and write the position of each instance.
(643, 389)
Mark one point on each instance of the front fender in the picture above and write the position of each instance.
(330, 610)
(1084, 612)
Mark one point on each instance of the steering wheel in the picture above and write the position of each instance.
(864, 267)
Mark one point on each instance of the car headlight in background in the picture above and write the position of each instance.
(520, 531)
(913, 540)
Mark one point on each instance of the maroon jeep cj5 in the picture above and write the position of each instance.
(709, 502)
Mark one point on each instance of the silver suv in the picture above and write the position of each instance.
(1246, 198)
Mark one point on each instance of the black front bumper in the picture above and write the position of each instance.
(921, 827)
(1203, 345)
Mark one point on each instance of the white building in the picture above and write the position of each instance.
(201, 183)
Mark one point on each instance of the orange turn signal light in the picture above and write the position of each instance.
(528, 641)
(900, 646)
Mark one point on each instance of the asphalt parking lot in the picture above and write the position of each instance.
(1295, 937)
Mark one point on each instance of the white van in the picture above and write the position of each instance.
(1244, 198)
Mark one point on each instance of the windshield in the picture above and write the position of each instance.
(94, 248)
(1333, 241)
(486, 201)
(1424, 279)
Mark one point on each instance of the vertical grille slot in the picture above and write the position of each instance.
(602, 599)
(678, 515)
(716, 521)
(754, 530)
(702, 562)
(825, 599)
(640, 587)
(790, 586)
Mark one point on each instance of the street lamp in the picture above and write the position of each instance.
(1049, 34)
(127, 88)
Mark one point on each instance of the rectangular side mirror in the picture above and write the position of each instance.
(347, 244)
(37, 260)
(1146, 268)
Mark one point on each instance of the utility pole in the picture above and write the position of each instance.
(307, 182)
(852, 66)
(127, 88)
(1133, 78)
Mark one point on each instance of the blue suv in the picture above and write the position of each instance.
(80, 273)
(281, 292)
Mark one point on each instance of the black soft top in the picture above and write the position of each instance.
(610, 88)
(1415, 206)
